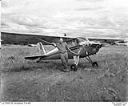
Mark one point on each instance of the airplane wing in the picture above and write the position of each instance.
(111, 41)
(26, 39)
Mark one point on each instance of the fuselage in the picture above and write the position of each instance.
(86, 50)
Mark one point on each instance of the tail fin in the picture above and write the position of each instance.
(41, 48)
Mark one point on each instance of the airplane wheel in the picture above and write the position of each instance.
(95, 64)
(73, 67)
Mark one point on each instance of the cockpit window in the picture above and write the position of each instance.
(82, 39)
(76, 41)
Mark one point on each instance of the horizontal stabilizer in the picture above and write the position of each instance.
(34, 57)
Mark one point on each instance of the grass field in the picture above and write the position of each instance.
(23, 80)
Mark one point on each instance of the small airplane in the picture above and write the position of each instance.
(86, 46)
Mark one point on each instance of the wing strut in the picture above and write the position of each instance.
(41, 48)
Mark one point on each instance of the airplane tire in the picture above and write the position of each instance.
(73, 67)
(95, 64)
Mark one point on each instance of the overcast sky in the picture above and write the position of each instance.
(95, 17)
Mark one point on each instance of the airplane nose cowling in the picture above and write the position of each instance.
(95, 48)
(98, 47)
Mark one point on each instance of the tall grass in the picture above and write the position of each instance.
(31, 81)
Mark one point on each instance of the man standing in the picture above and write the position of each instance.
(63, 50)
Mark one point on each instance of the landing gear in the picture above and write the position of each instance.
(94, 64)
(73, 67)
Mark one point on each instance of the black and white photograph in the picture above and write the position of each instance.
(64, 51)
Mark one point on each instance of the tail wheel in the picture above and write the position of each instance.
(95, 64)
(73, 67)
